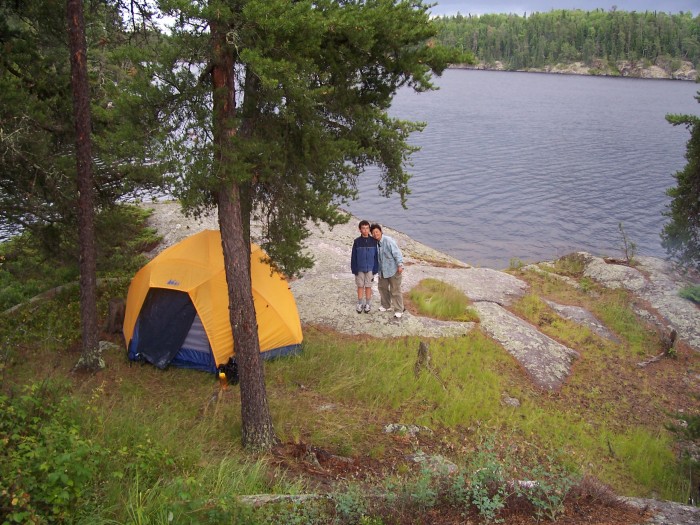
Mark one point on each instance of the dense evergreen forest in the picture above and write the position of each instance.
(565, 36)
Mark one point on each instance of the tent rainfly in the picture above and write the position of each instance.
(177, 308)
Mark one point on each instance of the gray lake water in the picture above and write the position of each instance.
(535, 166)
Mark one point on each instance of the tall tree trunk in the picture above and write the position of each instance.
(90, 358)
(234, 221)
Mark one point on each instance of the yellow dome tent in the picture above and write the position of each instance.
(177, 307)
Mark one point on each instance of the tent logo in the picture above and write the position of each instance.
(173, 282)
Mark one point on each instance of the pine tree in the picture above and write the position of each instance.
(38, 187)
(90, 358)
(299, 92)
(681, 236)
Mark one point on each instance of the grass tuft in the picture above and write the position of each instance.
(691, 293)
(437, 299)
(571, 265)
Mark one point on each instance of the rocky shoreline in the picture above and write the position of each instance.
(621, 68)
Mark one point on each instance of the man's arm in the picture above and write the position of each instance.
(353, 258)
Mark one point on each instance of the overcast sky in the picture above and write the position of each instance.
(518, 7)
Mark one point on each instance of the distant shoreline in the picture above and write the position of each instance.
(621, 69)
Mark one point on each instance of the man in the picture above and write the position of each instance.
(364, 266)
(390, 272)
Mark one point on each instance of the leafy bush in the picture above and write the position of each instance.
(422, 492)
(46, 466)
(437, 299)
(487, 489)
(549, 490)
(350, 504)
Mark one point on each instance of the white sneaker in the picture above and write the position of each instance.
(367, 308)
(398, 315)
(382, 309)
(359, 308)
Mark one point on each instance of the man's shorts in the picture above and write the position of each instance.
(363, 279)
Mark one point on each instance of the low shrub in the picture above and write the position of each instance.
(549, 489)
(572, 265)
(46, 467)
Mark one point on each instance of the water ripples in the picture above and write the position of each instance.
(531, 166)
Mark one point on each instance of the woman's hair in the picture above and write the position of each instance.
(375, 226)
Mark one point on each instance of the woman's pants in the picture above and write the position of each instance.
(390, 292)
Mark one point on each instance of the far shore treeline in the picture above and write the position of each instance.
(535, 40)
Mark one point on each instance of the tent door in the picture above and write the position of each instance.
(162, 326)
(195, 351)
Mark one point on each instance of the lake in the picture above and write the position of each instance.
(534, 166)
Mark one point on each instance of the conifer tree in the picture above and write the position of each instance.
(38, 187)
(90, 358)
(681, 236)
(299, 92)
(53, 175)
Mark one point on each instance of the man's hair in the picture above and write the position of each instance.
(363, 223)
(375, 226)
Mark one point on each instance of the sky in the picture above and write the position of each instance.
(519, 7)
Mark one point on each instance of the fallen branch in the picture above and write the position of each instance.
(652, 360)
(49, 294)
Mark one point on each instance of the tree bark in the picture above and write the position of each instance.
(90, 358)
(234, 221)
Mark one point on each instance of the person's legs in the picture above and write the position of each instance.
(384, 295)
(360, 283)
(395, 292)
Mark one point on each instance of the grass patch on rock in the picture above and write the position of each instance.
(440, 300)
(692, 293)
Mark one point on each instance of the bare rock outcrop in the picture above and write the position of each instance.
(666, 512)
(546, 361)
(583, 317)
(657, 283)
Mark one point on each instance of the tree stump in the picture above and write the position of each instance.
(115, 315)
(423, 360)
